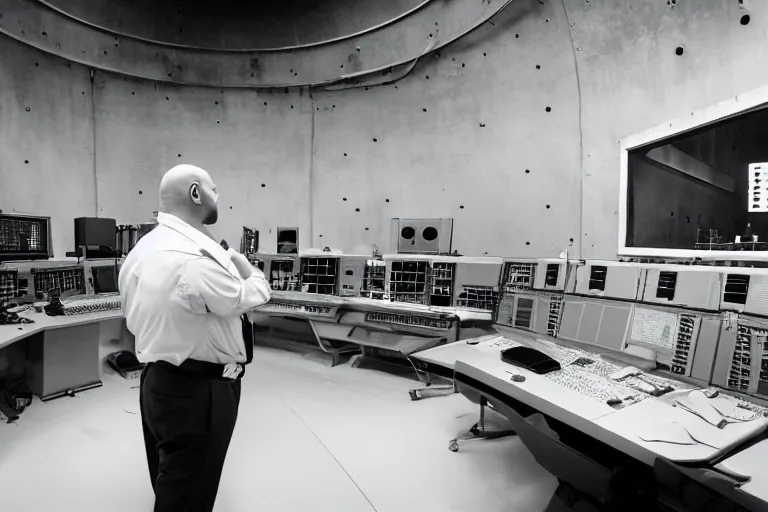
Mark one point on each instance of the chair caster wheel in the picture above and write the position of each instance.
(453, 446)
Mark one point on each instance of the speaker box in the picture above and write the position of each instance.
(95, 233)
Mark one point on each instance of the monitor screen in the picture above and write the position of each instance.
(105, 279)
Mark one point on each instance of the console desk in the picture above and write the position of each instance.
(621, 429)
(62, 352)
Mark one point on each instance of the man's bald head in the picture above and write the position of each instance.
(188, 192)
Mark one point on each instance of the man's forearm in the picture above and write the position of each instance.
(255, 291)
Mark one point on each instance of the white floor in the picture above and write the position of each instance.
(309, 437)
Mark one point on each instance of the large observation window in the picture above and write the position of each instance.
(698, 187)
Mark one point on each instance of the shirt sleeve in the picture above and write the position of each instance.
(211, 288)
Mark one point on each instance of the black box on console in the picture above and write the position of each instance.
(97, 234)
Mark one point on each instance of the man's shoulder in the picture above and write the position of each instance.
(164, 243)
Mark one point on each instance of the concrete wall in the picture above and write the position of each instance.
(453, 139)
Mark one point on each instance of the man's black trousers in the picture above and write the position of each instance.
(188, 421)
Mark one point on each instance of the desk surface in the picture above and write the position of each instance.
(620, 429)
(751, 462)
(12, 333)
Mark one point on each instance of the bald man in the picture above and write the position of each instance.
(184, 299)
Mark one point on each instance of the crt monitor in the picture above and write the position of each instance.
(105, 279)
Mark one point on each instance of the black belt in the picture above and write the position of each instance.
(202, 369)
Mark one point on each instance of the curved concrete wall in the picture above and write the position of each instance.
(233, 24)
(466, 135)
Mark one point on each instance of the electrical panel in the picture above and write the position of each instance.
(609, 279)
(734, 291)
(8, 285)
(408, 281)
(374, 280)
(555, 275)
(320, 274)
(352, 274)
(476, 283)
(422, 236)
(36, 278)
(697, 288)
(281, 270)
(742, 356)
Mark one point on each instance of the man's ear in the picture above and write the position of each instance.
(194, 193)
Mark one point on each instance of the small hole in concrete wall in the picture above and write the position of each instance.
(687, 220)
(461, 207)
(45, 33)
(538, 67)
(167, 98)
(679, 50)
(179, 155)
(395, 88)
(26, 161)
(105, 52)
(230, 207)
(375, 139)
(453, 59)
(343, 198)
(83, 92)
(265, 103)
(482, 125)
(27, 109)
(218, 122)
(253, 75)
(424, 110)
(548, 207)
(333, 106)
(572, 238)
(463, 65)
(517, 36)
(318, 109)
(263, 185)
(37, 65)
(671, 214)
(291, 106)
(215, 102)
(527, 243)
(366, 229)
(548, 109)
(140, 192)
(321, 236)
(427, 77)
(366, 87)
(485, 54)
(345, 154)
(133, 93)
(386, 200)
(342, 66)
(745, 19)
(527, 171)
(295, 74)
(357, 209)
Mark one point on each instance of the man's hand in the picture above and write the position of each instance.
(243, 266)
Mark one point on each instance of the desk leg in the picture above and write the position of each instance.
(479, 430)
(64, 361)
